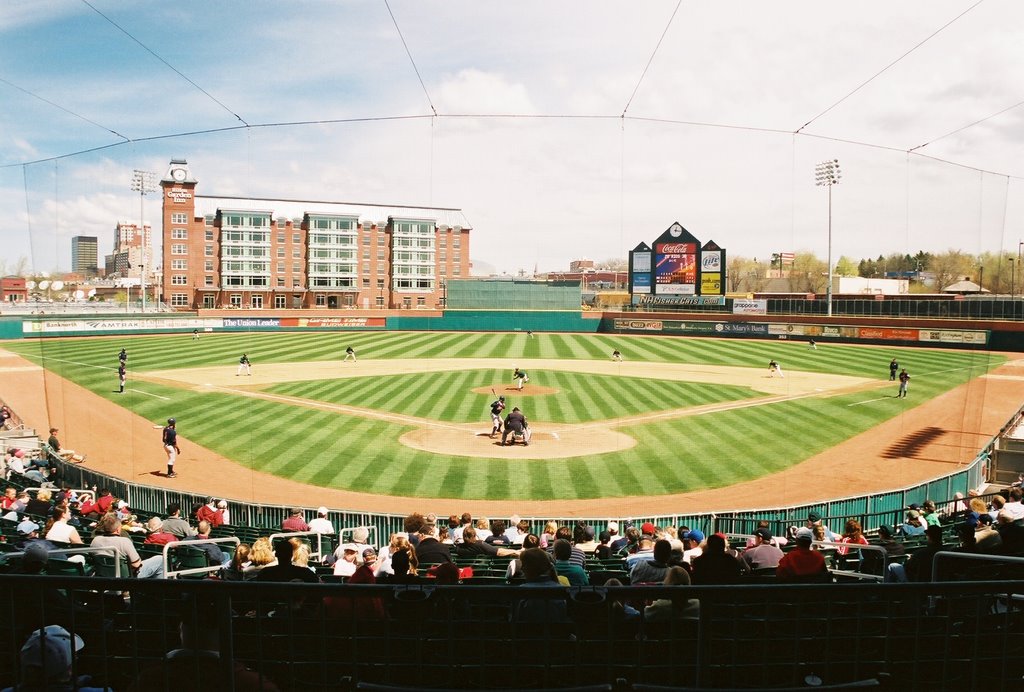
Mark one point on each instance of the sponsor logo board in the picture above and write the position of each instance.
(711, 283)
(750, 307)
(639, 325)
(711, 261)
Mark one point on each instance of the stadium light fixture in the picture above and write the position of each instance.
(827, 174)
(143, 182)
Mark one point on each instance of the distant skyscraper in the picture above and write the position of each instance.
(83, 254)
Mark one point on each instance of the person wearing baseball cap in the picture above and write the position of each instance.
(47, 658)
(763, 554)
(801, 564)
(321, 524)
(170, 441)
(692, 540)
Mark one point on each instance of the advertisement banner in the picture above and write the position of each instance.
(642, 262)
(333, 322)
(950, 336)
(642, 283)
(690, 327)
(711, 284)
(741, 328)
(786, 329)
(252, 322)
(676, 268)
(58, 326)
(679, 300)
(888, 333)
(639, 325)
(750, 307)
(711, 261)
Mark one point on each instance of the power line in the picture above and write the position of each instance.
(651, 59)
(172, 67)
(60, 107)
(894, 62)
(965, 127)
(409, 53)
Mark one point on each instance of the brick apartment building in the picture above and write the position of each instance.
(231, 252)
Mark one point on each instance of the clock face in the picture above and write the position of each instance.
(676, 231)
(178, 174)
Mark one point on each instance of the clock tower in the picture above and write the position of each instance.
(184, 239)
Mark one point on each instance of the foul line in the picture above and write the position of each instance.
(139, 391)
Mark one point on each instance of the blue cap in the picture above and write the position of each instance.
(695, 535)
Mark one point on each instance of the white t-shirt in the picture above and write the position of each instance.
(61, 531)
(321, 525)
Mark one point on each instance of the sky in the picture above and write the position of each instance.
(562, 130)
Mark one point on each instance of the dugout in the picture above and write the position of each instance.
(513, 294)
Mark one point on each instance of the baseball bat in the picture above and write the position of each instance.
(493, 392)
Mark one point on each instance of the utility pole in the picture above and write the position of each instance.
(143, 182)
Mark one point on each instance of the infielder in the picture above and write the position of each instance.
(122, 357)
(350, 353)
(616, 356)
(244, 364)
(122, 376)
(496, 408)
(773, 368)
(170, 439)
(521, 376)
(904, 384)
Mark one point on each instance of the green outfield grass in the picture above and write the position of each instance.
(336, 450)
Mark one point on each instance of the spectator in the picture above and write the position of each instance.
(383, 564)
(295, 522)
(108, 535)
(677, 607)
(986, 537)
(517, 530)
(930, 514)
(583, 539)
(693, 541)
(61, 452)
(515, 567)
(547, 536)
(918, 567)
(852, 535)
(225, 513)
(497, 535)
(47, 659)
(912, 525)
(1014, 506)
(996, 504)
(715, 565)
(40, 505)
(175, 525)
(413, 524)
(465, 520)
(60, 530)
(613, 532)
(348, 562)
(238, 568)
(873, 562)
(473, 547)
(578, 556)
(539, 571)
(814, 519)
(628, 543)
(284, 570)
(764, 554)
(1011, 532)
(576, 575)
(9, 498)
(801, 564)
(405, 567)
(652, 570)
(483, 529)
(156, 534)
(644, 552)
(260, 556)
(210, 513)
(321, 524)
(214, 555)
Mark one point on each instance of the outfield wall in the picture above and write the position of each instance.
(973, 334)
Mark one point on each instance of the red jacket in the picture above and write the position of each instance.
(214, 516)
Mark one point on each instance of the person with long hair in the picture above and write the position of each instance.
(58, 529)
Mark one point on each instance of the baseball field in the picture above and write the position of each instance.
(410, 419)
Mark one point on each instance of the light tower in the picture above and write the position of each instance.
(143, 182)
(827, 174)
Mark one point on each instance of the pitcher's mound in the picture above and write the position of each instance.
(508, 390)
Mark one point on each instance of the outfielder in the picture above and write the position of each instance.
(244, 364)
(496, 408)
(521, 376)
(170, 439)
